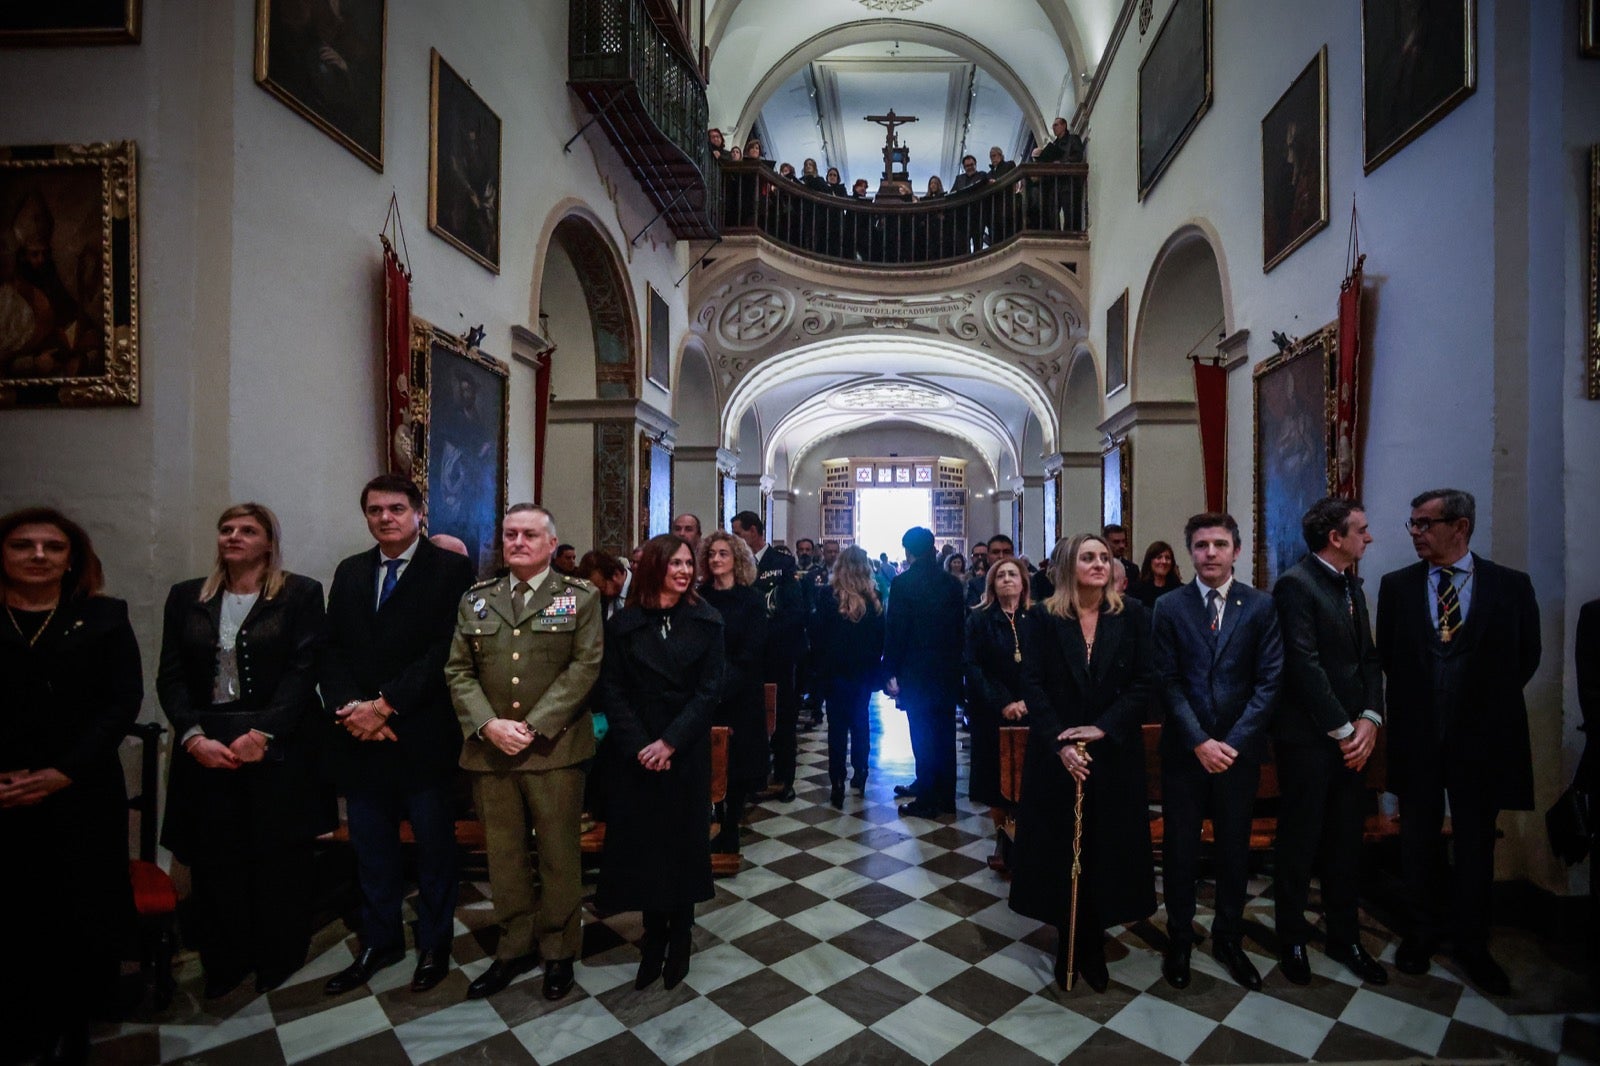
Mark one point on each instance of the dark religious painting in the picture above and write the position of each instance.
(69, 275)
(655, 488)
(460, 402)
(659, 367)
(463, 167)
(1294, 396)
(1174, 87)
(1418, 61)
(1117, 344)
(1116, 485)
(324, 58)
(1294, 164)
(1589, 28)
(69, 22)
(1594, 273)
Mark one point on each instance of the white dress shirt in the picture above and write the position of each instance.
(405, 561)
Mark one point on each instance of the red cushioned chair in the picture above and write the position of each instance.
(154, 897)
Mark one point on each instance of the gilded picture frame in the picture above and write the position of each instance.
(69, 275)
(1593, 346)
(1419, 60)
(656, 474)
(1294, 452)
(329, 65)
(463, 165)
(460, 413)
(1174, 91)
(1294, 164)
(54, 23)
(1116, 485)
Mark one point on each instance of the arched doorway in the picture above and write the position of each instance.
(698, 473)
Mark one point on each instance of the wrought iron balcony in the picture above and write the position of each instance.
(652, 105)
(1034, 200)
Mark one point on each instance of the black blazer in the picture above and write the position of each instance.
(399, 652)
(743, 703)
(846, 654)
(1484, 736)
(786, 603)
(1330, 665)
(923, 638)
(994, 674)
(1219, 685)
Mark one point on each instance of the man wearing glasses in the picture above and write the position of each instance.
(1458, 637)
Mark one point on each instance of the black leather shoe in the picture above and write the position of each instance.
(358, 973)
(787, 795)
(1238, 965)
(1295, 964)
(836, 796)
(904, 791)
(922, 809)
(677, 964)
(557, 978)
(432, 967)
(1415, 955)
(271, 977)
(1092, 968)
(1354, 958)
(500, 973)
(1175, 967)
(1484, 972)
(652, 956)
(859, 783)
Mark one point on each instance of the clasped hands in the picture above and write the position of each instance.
(1357, 747)
(367, 719)
(510, 735)
(1215, 755)
(656, 755)
(1014, 711)
(1076, 761)
(24, 788)
(248, 747)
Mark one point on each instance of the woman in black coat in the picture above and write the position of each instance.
(847, 648)
(244, 803)
(72, 687)
(993, 655)
(1087, 674)
(659, 686)
(730, 570)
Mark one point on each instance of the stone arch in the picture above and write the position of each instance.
(579, 258)
(1184, 306)
(1081, 406)
(694, 396)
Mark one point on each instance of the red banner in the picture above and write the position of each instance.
(397, 445)
(541, 419)
(1347, 384)
(1211, 395)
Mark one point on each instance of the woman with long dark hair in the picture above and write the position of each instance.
(730, 570)
(1087, 674)
(660, 683)
(847, 649)
(1158, 575)
(72, 687)
(244, 803)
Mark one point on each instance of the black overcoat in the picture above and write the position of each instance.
(1117, 884)
(994, 680)
(743, 706)
(398, 651)
(659, 687)
(922, 641)
(281, 799)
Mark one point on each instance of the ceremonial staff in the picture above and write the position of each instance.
(1077, 863)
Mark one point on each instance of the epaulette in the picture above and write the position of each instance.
(577, 582)
(482, 585)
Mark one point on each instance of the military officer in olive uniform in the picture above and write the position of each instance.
(526, 652)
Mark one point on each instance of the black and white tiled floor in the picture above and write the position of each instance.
(861, 937)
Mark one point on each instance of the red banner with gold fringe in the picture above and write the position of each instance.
(1348, 384)
(397, 444)
(1211, 397)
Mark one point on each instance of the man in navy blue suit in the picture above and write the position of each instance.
(1220, 657)
(1324, 734)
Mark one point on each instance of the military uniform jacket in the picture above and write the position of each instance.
(534, 662)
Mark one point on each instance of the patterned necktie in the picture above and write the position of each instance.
(1214, 608)
(391, 578)
(1350, 594)
(1449, 604)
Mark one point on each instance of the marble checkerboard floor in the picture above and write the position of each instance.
(861, 937)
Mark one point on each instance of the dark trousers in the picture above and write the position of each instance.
(781, 671)
(253, 911)
(1440, 896)
(848, 727)
(933, 745)
(1187, 792)
(375, 812)
(1320, 816)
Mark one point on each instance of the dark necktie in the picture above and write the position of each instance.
(391, 578)
(519, 595)
(1214, 608)
(1449, 604)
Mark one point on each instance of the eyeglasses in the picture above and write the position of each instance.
(1422, 525)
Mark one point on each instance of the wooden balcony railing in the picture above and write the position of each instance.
(1034, 200)
(651, 103)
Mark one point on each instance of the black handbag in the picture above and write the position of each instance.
(1569, 825)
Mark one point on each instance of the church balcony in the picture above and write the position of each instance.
(651, 102)
(1035, 200)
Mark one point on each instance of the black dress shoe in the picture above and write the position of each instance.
(358, 973)
(1355, 959)
(787, 795)
(1175, 967)
(557, 978)
(1092, 968)
(859, 783)
(652, 956)
(922, 809)
(432, 967)
(271, 977)
(1238, 965)
(677, 964)
(220, 984)
(1295, 964)
(904, 790)
(1484, 972)
(1415, 955)
(500, 974)
(836, 796)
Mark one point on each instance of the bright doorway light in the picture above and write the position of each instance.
(884, 515)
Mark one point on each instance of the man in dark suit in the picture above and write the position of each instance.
(1220, 658)
(391, 616)
(922, 649)
(1458, 637)
(1324, 732)
(786, 635)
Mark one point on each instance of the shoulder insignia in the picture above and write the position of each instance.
(577, 582)
(481, 585)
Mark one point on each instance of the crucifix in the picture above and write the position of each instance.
(896, 157)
